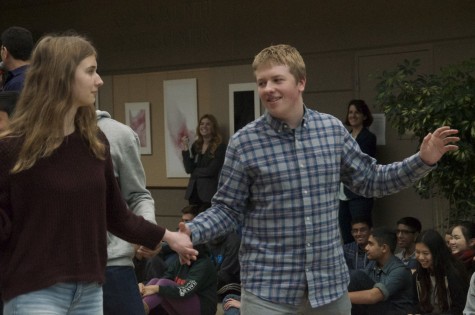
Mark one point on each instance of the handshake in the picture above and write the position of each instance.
(181, 243)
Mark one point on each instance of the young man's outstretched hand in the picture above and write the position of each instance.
(437, 143)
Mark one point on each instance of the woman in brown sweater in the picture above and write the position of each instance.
(58, 193)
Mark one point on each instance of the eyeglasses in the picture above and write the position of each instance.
(404, 232)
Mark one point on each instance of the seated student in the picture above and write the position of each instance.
(224, 252)
(462, 244)
(470, 305)
(184, 289)
(440, 280)
(355, 253)
(8, 101)
(408, 228)
(387, 287)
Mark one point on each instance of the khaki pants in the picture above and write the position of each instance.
(252, 305)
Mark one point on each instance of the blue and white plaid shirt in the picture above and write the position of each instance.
(281, 185)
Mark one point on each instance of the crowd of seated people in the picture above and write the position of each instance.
(429, 274)
(400, 270)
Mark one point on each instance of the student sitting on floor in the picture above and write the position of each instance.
(184, 290)
(440, 280)
(387, 287)
(355, 252)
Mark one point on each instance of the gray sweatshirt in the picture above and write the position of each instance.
(125, 151)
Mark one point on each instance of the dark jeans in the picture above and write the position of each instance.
(121, 292)
(232, 310)
(353, 208)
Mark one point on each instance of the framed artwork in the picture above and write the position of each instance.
(181, 119)
(244, 105)
(137, 117)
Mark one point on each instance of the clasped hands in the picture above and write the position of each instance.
(181, 243)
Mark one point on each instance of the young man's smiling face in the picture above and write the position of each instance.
(406, 236)
(280, 92)
(360, 232)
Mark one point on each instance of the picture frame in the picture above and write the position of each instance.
(180, 99)
(244, 105)
(137, 117)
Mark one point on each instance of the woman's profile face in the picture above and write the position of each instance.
(458, 242)
(86, 83)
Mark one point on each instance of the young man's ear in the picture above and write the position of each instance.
(385, 248)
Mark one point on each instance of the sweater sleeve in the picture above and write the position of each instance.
(5, 226)
(8, 156)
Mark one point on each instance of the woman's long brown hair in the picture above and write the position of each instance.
(46, 98)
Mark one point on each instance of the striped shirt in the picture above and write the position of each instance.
(281, 185)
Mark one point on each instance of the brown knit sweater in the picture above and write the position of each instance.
(60, 210)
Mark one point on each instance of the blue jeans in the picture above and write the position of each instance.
(232, 310)
(121, 292)
(65, 298)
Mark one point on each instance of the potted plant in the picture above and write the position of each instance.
(418, 104)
